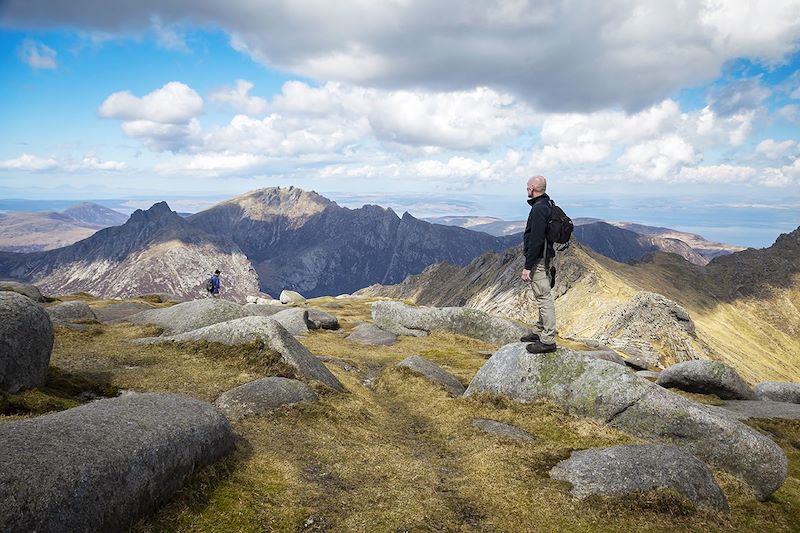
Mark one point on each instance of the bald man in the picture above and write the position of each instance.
(538, 252)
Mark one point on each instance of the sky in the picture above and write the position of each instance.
(685, 114)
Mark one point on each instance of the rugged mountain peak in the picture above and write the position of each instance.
(291, 202)
(158, 212)
(789, 240)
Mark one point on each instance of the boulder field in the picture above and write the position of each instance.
(611, 394)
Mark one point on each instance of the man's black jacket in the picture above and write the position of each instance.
(536, 231)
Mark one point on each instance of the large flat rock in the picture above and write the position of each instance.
(191, 315)
(26, 342)
(271, 333)
(627, 469)
(609, 393)
(101, 466)
(76, 311)
(262, 396)
(402, 319)
(706, 377)
(371, 334)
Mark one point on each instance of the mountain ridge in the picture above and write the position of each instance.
(752, 325)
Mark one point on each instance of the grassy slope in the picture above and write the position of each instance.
(397, 455)
(755, 336)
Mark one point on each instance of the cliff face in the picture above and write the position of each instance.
(155, 251)
(743, 308)
(301, 241)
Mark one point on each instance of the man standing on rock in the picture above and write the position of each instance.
(537, 251)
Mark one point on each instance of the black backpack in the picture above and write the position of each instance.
(560, 226)
(209, 285)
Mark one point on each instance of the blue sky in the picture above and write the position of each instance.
(630, 111)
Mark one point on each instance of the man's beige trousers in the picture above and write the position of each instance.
(540, 288)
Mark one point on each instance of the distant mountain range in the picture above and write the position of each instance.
(741, 308)
(289, 238)
(621, 241)
(36, 231)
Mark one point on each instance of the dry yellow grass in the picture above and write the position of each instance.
(397, 455)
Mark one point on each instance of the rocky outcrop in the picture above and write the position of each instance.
(100, 466)
(609, 393)
(26, 341)
(291, 297)
(501, 429)
(778, 391)
(706, 377)
(433, 372)
(371, 334)
(627, 469)
(189, 316)
(76, 311)
(402, 319)
(322, 320)
(25, 289)
(260, 329)
(155, 251)
(646, 321)
(262, 396)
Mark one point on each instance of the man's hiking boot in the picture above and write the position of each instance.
(540, 347)
(529, 337)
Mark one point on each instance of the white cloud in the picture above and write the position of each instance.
(164, 119)
(557, 55)
(790, 113)
(239, 98)
(657, 159)
(772, 149)
(458, 120)
(795, 94)
(717, 174)
(590, 137)
(457, 171)
(37, 55)
(33, 163)
(174, 103)
(167, 37)
(211, 164)
(29, 162)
